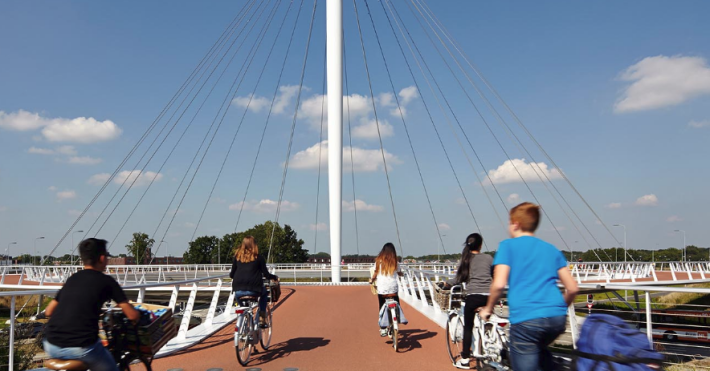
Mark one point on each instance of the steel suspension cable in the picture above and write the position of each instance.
(142, 171)
(166, 108)
(524, 127)
(431, 118)
(377, 122)
(406, 128)
(525, 182)
(293, 129)
(241, 121)
(320, 150)
(268, 117)
(350, 138)
(245, 67)
(515, 139)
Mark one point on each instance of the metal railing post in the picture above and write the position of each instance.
(213, 304)
(174, 297)
(649, 327)
(187, 313)
(11, 358)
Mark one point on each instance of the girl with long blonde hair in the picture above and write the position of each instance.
(248, 272)
(384, 276)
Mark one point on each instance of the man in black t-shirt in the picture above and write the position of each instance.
(73, 328)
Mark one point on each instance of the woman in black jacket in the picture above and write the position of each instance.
(248, 270)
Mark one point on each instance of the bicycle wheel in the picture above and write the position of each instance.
(242, 345)
(454, 336)
(265, 333)
(395, 332)
(137, 364)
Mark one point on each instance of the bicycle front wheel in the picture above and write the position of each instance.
(265, 332)
(242, 345)
(138, 364)
(454, 336)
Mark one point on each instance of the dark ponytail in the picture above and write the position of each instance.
(473, 243)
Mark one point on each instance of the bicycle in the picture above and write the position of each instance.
(490, 343)
(117, 326)
(247, 331)
(394, 319)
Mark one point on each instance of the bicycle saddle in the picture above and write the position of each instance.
(248, 298)
(387, 296)
(65, 364)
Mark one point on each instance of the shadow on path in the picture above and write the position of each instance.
(285, 348)
(226, 335)
(409, 339)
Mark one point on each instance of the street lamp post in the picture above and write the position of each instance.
(623, 226)
(685, 251)
(33, 258)
(219, 252)
(71, 253)
(167, 251)
(7, 252)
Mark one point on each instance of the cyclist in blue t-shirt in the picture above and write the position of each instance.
(531, 268)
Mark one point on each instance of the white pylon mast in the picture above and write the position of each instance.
(334, 40)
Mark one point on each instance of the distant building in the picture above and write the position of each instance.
(129, 260)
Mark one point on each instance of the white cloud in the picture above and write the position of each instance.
(647, 200)
(663, 81)
(361, 206)
(255, 104)
(21, 121)
(318, 227)
(460, 201)
(52, 188)
(699, 124)
(613, 205)
(141, 179)
(444, 227)
(84, 160)
(513, 199)
(189, 225)
(99, 179)
(674, 219)
(40, 151)
(3, 208)
(61, 150)
(368, 130)
(265, 206)
(65, 195)
(508, 172)
(364, 160)
(79, 130)
(408, 94)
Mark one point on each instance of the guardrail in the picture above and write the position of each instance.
(642, 309)
(185, 337)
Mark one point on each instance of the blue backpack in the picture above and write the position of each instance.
(608, 343)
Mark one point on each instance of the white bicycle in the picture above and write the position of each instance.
(394, 320)
(490, 345)
(247, 331)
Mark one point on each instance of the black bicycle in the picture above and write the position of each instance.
(123, 341)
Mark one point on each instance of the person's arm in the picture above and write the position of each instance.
(571, 289)
(51, 307)
(265, 270)
(500, 280)
(234, 269)
(131, 313)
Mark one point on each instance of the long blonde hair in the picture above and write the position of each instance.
(386, 261)
(248, 251)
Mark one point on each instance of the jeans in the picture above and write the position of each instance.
(96, 356)
(473, 302)
(262, 297)
(529, 341)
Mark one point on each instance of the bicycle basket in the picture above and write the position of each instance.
(155, 335)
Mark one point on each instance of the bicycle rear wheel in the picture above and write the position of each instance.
(242, 345)
(265, 333)
(137, 364)
(454, 337)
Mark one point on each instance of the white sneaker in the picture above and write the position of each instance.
(383, 332)
(463, 363)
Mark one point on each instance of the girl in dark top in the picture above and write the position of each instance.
(248, 270)
(474, 270)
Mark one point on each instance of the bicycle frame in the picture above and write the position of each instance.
(250, 313)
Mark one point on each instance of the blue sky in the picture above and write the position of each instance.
(616, 94)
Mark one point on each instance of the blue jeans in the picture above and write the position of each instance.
(529, 341)
(262, 297)
(96, 356)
